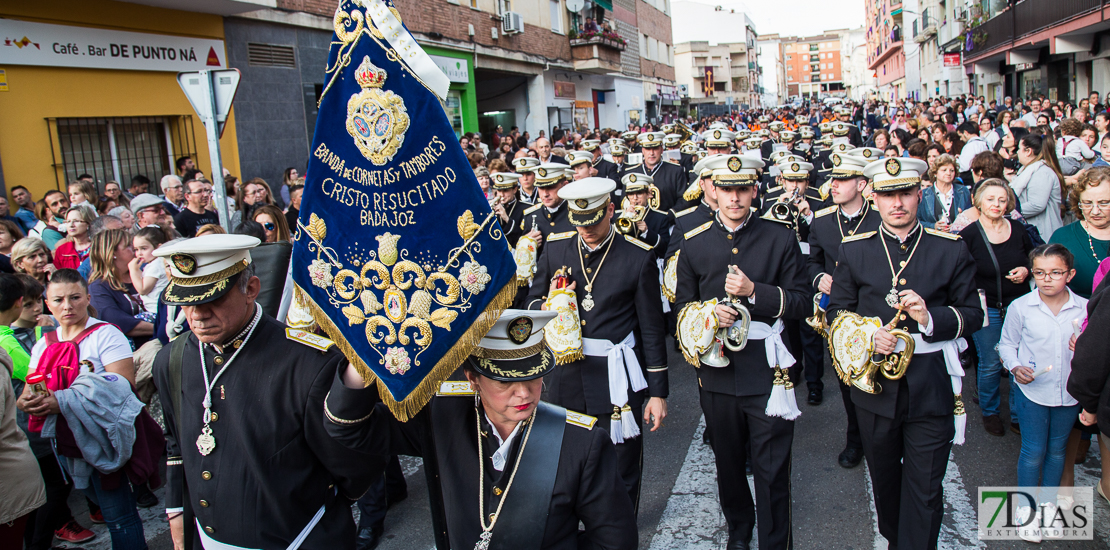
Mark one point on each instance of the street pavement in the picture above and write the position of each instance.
(832, 506)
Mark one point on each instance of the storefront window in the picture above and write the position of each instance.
(117, 149)
(453, 106)
(1030, 83)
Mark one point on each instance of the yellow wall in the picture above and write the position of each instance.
(38, 93)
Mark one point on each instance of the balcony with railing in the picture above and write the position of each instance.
(596, 52)
(1025, 18)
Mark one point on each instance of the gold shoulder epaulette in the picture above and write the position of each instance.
(825, 211)
(681, 213)
(307, 338)
(561, 236)
(637, 242)
(455, 389)
(859, 237)
(773, 189)
(533, 208)
(695, 231)
(873, 207)
(946, 235)
(581, 420)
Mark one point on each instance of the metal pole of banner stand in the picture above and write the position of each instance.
(212, 128)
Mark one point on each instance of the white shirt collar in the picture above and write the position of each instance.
(501, 455)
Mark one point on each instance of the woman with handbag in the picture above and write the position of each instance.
(1000, 247)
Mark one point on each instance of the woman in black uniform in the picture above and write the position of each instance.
(514, 472)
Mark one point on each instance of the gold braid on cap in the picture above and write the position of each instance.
(503, 354)
(736, 177)
(226, 273)
(879, 185)
(587, 217)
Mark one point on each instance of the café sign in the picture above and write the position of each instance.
(46, 45)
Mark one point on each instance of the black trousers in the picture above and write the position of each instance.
(907, 458)
(813, 354)
(374, 503)
(39, 534)
(852, 437)
(738, 423)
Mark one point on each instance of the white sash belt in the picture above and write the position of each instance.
(777, 353)
(210, 543)
(782, 403)
(624, 374)
(951, 350)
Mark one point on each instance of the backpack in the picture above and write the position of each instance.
(60, 363)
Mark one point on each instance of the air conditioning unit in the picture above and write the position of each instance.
(512, 23)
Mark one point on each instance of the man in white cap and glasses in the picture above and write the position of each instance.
(669, 178)
(621, 376)
(851, 214)
(507, 205)
(745, 388)
(917, 285)
(642, 221)
(250, 464)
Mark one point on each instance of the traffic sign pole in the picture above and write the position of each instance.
(212, 104)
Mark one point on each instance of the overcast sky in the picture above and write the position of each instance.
(793, 17)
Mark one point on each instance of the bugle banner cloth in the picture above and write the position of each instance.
(397, 255)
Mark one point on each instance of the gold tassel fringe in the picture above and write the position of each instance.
(409, 406)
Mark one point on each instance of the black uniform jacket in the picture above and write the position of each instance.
(813, 197)
(670, 178)
(273, 464)
(626, 300)
(587, 489)
(942, 272)
(512, 228)
(606, 169)
(658, 231)
(830, 226)
(1089, 382)
(685, 220)
(546, 221)
(767, 252)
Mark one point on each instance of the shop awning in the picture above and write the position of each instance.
(607, 4)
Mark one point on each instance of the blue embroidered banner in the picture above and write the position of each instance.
(396, 254)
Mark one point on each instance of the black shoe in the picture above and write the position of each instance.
(736, 543)
(1014, 427)
(144, 498)
(850, 457)
(368, 539)
(815, 396)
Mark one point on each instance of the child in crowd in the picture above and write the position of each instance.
(148, 273)
(1073, 152)
(1035, 348)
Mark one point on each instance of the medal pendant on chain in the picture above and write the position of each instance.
(892, 298)
(588, 302)
(206, 442)
(483, 541)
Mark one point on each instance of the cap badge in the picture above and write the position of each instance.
(581, 203)
(500, 178)
(520, 329)
(632, 178)
(185, 263)
(716, 134)
(734, 164)
(795, 167)
(836, 160)
(542, 172)
(893, 167)
(867, 153)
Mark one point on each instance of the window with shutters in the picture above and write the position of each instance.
(271, 55)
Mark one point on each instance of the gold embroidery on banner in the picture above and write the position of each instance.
(376, 118)
(398, 299)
